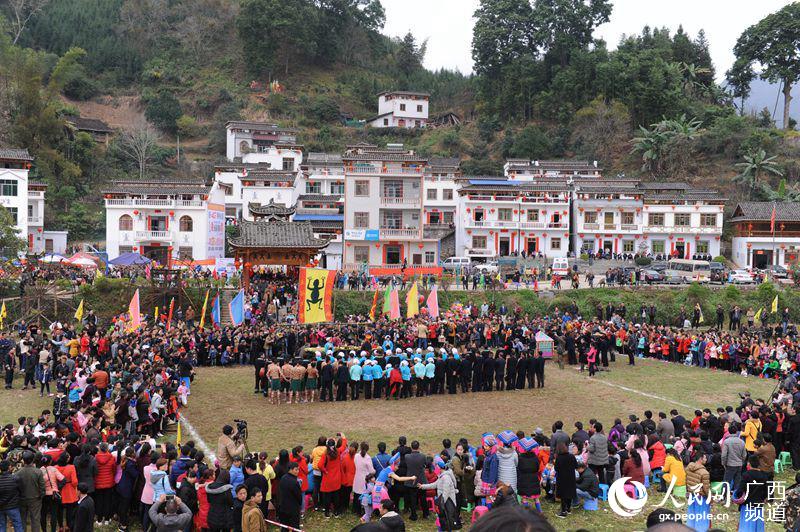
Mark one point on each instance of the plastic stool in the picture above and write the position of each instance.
(469, 507)
(786, 458)
(647, 481)
(778, 466)
(478, 512)
(656, 476)
(603, 492)
(431, 504)
(309, 501)
(401, 505)
(679, 491)
(590, 505)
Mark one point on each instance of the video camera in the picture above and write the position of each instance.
(241, 429)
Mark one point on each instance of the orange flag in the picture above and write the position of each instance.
(134, 317)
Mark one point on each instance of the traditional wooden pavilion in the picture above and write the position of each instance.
(271, 212)
(280, 243)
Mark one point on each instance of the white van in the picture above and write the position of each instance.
(560, 266)
(456, 263)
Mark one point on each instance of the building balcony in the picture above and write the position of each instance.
(158, 236)
(36, 193)
(683, 229)
(404, 201)
(610, 227)
(158, 203)
(385, 170)
(629, 227)
(591, 227)
(399, 233)
(35, 220)
(188, 203)
(533, 225)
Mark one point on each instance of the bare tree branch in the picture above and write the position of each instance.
(24, 11)
(137, 143)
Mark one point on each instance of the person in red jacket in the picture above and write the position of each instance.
(331, 467)
(657, 452)
(348, 474)
(395, 380)
(201, 517)
(104, 484)
(301, 460)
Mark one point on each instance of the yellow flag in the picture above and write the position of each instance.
(775, 305)
(702, 318)
(155, 315)
(758, 315)
(3, 313)
(79, 312)
(412, 301)
(203, 314)
(315, 301)
(178, 437)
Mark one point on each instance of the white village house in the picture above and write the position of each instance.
(405, 109)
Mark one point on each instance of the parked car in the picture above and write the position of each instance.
(652, 276)
(777, 271)
(716, 266)
(489, 267)
(658, 266)
(740, 277)
(456, 263)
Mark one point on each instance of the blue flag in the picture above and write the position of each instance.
(237, 308)
(216, 316)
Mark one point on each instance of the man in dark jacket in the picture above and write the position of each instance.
(187, 492)
(390, 519)
(181, 465)
(291, 497)
(415, 467)
(587, 485)
(9, 497)
(84, 515)
(31, 485)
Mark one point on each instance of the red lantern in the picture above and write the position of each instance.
(170, 248)
(581, 235)
(172, 213)
(566, 235)
(697, 237)
(469, 231)
(349, 244)
(636, 237)
(491, 210)
(39, 230)
(236, 263)
(516, 211)
(749, 245)
(420, 246)
(491, 232)
(580, 209)
(671, 237)
(247, 265)
(377, 245)
(136, 213)
(469, 210)
(135, 248)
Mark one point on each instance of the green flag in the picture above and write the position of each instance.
(386, 297)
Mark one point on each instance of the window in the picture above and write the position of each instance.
(434, 218)
(702, 246)
(313, 187)
(657, 219)
(419, 108)
(657, 245)
(30, 211)
(392, 220)
(432, 194)
(48, 245)
(361, 254)
(361, 220)
(447, 217)
(430, 257)
(417, 123)
(14, 214)
(402, 107)
(185, 253)
(533, 216)
(555, 243)
(627, 246)
(682, 220)
(8, 187)
(186, 224)
(125, 249)
(385, 121)
(392, 189)
(394, 254)
(708, 220)
(504, 215)
(590, 217)
(627, 218)
(478, 242)
(288, 163)
(362, 188)
(337, 187)
(125, 223)
(447, 194)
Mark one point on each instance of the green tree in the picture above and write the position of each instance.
(773, 43)
(10, 241)
(565, 26)
(756, 163)
(164, 110)
(409, 55)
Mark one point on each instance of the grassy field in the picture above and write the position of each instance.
(221, 395)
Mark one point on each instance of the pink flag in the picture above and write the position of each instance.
(134, 316)
(394, 305)
(433, 303)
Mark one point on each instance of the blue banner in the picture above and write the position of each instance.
(237, 308)
(216, 316)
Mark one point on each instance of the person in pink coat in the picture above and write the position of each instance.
(364, 467)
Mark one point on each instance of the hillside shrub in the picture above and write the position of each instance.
(643, 261)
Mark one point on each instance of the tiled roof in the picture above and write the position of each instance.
(684, 195)
(320, 197)
(245, 124)
(384, 156)
(445, 162)
(785, 211)
(165, 187)
(310, 217)
(326, 224)
(269, 175)
(405, 93)
(323, 158)
(270, 209)
(276, 235)
(20, 154)
(89, 124)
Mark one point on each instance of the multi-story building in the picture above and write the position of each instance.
(401, 109)
(681, 221)
(607, 215)
(166, 219)
(501, 217)
(383, 208)
(246, 141)
(757, 241)
(24, 200)
(441, 192)
(523, 168)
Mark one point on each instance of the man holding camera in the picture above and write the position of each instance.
(227, 447)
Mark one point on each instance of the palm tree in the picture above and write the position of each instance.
(755, 164)
(650, 144)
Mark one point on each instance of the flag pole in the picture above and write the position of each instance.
(774, 226)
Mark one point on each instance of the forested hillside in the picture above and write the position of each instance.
(170, 73)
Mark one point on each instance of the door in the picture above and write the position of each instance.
(393, 255)
(608, 219)
(532, 245)
(680, 249)
(156, 253)
(762, 258)
(416, 259)
(505, 246)
(608, 246)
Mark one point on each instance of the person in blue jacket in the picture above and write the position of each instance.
(377, 379)
(430, 375)
(355, 379)
(419, 376)
(366, 377)
(405, 373)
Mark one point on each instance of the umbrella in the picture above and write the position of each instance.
(83, 262)
(129, 259)
(52, 258)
